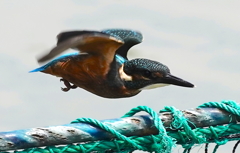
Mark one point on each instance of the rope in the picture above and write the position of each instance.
(180, 133)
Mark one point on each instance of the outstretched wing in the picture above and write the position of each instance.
(70, 34)
(92, 42)
(129, 37)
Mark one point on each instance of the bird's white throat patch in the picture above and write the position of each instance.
(152, 86)
(123, 75)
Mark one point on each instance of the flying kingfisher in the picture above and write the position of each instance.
(101, 66)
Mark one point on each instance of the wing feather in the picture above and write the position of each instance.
(93, 42)
(130, 38)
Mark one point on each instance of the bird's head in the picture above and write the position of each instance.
(139, 74)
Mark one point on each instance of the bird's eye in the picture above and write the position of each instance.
(146, 73)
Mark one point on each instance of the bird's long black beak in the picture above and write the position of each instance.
(170, 79)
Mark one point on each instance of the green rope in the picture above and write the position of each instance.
(166, 142)
(229, 106)
(181, 123)
(181, 133)
(147, 140)
(108, 129)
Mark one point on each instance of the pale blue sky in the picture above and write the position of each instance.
(198, 40)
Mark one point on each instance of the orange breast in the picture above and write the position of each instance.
(90, 73)
(85, 71)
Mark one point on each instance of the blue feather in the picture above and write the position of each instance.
(44, 67)
(119, 59)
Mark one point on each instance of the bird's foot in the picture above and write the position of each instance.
(68, 85)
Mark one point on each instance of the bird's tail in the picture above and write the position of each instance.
(38, 69)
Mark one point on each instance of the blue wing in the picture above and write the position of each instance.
(119, 59)
(129, 37)
(44, 67)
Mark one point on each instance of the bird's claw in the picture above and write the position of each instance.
(68, 85)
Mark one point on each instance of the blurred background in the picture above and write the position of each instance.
(197, 40)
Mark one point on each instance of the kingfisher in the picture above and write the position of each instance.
(101, 65)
